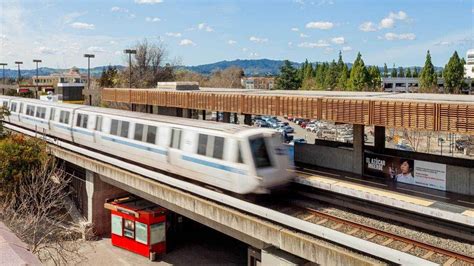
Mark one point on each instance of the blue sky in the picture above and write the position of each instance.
(206, 31)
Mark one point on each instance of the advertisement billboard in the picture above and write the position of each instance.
(407, 171)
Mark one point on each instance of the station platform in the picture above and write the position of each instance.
(429, 202)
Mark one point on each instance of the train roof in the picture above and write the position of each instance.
(211, 125)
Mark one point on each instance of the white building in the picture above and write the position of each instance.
(469, 66)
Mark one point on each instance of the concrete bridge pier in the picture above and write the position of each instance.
(203, 114)
(226, 118)
(358, 156)
(97, 192)
(379, 139)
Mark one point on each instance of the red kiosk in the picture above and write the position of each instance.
(138, 226)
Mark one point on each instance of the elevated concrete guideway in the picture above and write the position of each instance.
(432, 112)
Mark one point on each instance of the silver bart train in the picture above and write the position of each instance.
(230, 157)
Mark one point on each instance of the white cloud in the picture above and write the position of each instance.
(295, 29)
(70, 17)
(186, 42)
(338, 40)
(231, 42)
(389, 21)
(150, 2)
(118, 52)
(82, 26)
(155, 19)
(258, 39)
(318, 44)
(95, 49)
(302, 35)
(290, 44)
(253, 54)
(119, 9)
(390, 36)
(346, 48)
(322, 25)
(244, 49)
(112, 42)
(47, 51)
(367, 26)
(173, 34)
(204, 26)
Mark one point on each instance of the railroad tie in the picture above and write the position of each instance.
(353, 231)
(337, 226)
(370, 236)
(390, 240)
(428, 254)
(322, 221)
(449, 262)
(407, 248)
(308, 217)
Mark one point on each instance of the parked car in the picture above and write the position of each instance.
(286, 129)
(404, 147)
(461, 144)
(298, 141)
(298, 121)
(261, 123)
(280, 124)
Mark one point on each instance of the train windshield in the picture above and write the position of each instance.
(260, 152)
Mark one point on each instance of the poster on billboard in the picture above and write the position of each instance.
(407, 171)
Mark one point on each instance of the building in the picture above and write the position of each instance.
(258, 83)
(469, 66)
(69, 84)
(412, 84)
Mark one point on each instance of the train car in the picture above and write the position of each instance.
(230, 157)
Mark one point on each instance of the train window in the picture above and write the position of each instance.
(202, 144)
(30, 110)
(218, 147)
(64, 117)
(5, 104)
(98, 123)
(138, 132)
(260, 152)
(41, 112)
(82, 120)
(13, 108)
(52, 114)
(124, 129)
(151, 134)
(175, 138)
(114, 127)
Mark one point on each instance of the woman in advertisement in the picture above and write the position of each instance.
(406, 175)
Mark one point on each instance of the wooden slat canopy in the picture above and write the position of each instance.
(432, 112)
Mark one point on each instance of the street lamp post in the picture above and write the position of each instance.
(19, 73)
(3, 76)
(89, 56)
(130, 52)
(37, 61)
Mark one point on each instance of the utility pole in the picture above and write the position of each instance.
(89, 56)
(3, 71)
(130, 52)
(19, 73)
(37, 61)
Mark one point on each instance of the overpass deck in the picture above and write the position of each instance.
(432, 112)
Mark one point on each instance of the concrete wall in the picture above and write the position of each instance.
(460, 179)
(323, 156)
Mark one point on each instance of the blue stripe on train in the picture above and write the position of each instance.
(138, 146)
(213, 165)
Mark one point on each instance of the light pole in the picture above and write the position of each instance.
(19, 73)
(89, 56)
(3, 75)
(130, 52)
(37, 61)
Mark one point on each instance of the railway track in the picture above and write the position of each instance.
(423, 250)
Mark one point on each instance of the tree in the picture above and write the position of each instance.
(428, 81)
(148, 65)
(385, 70)
(359, 77)
(415, 72)
(4, 112)
(375, 79)
(454, 74)
(340, 63)
(401, 72)
(343, 80)
(408, 73)
(320, 76)
(394, 72)
(108, 78)
(288, 78)
(331, 75)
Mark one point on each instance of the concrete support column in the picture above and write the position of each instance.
(217, 116)
(379, 139)
(358, 156)
(203, 114)
(236, 118)
(272, 256)
(188, 113)
(179, 112)
(97, 192)
(226, 118)
(248, 119)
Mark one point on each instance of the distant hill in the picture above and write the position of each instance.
(256, 67)
(45, 71)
